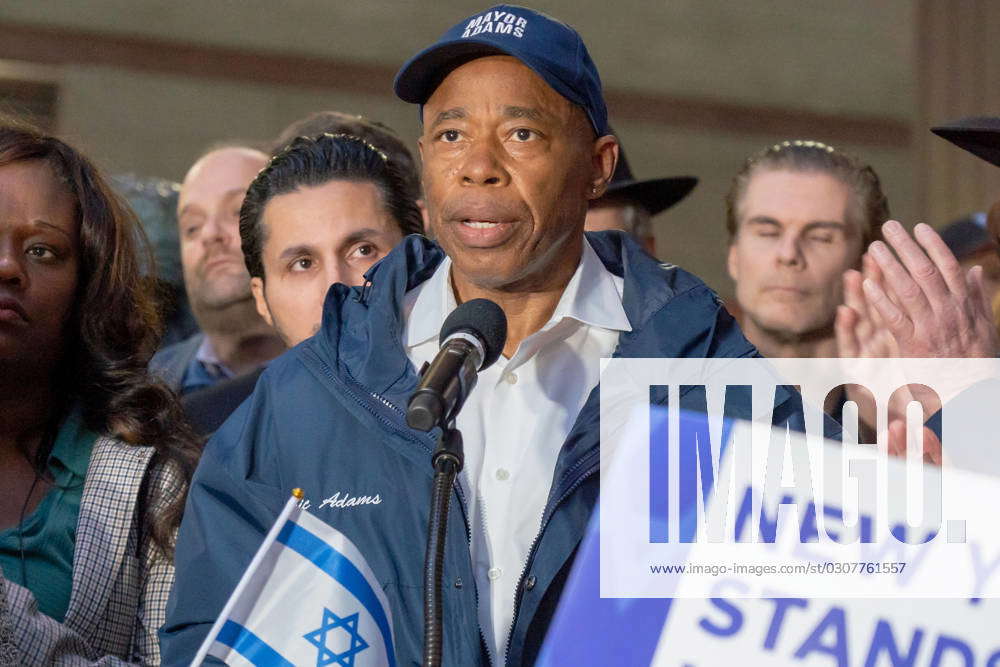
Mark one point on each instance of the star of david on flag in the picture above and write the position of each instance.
(308, 597)
(318, 638)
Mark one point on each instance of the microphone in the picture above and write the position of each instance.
(472, 338)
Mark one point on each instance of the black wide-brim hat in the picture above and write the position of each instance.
(980, 135)
(655, 194)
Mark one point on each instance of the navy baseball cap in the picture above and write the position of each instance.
(551, 48)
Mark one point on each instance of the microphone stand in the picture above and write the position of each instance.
(447, 461)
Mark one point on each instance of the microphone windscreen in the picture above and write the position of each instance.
(483, 319)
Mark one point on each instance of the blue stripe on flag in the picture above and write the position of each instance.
(338, 566)
(250, 646)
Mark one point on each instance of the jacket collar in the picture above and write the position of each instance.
(107, 517)
(363, 327)
(591, 297)
(362, 331)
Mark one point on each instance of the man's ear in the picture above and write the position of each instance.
(425, 216)
(422, 202)
(732, 262)
(649, 244)
(257, 288)
(604, 158)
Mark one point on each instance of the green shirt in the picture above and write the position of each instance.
(48, 534)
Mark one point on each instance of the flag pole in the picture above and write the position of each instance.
(290, 507)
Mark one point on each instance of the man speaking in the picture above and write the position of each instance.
(515, 144)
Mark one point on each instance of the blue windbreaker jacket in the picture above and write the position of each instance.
(328, 417)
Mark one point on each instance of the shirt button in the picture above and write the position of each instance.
(494, 573)
(511, 378)
(530, 582)
(458, 582)
(502, 474)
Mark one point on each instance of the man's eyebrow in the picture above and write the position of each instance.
(826, 224)
(455, 113)
(763, 220)
(814, 225)
(523, 112)
(293, 251)
(228, 194)
(242, 192)
(187, 208)
(359, 235)
(49, 225)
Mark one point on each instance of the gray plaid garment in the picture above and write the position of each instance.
(121, 580)
(8, 652)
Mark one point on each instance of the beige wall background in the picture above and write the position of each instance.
(694, 86)
(958, 69)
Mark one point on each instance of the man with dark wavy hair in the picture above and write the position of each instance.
(323, 211)
(377, 134)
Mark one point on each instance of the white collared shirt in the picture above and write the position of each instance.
(516, 419)
(210, 361)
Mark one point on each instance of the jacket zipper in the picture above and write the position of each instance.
(387, 403)
(463, 507)
(546, 517)
(482, 515)
(422, 441)
(534, 543)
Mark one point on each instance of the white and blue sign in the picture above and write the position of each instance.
(736, 611)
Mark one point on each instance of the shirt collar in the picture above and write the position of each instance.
(592, 296)
(430, 304)
(208, 358)
(71, 447)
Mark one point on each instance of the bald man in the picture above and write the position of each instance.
(233, 340)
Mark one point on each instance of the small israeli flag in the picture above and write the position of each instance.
(307, 598)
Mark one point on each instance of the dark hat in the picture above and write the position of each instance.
(980, 135)
(968, 236)
(655, 194)
(552, 49)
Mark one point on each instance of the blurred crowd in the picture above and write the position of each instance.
(137, 314)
